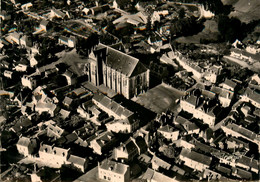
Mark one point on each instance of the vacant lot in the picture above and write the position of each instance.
(159, 98)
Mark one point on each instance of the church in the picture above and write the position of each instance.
(116, 70)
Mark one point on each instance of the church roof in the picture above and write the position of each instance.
(121, 62)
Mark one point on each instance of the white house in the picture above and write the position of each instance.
(78, 162)
(252, 97)
(127, 150)
(68, 41)
(28, 81)
(113, 171)
(102, 142)
(21, 67)
(26, 146)
(127, 125)
(168, 132)
(252, 49)
(8, 74)
(53, 155)
(228, 85)
(195, 160)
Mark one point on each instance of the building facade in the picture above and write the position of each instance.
(116, 70)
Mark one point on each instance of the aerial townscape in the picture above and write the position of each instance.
(129, 90)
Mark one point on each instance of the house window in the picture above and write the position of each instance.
(105, 177)
(108, 178)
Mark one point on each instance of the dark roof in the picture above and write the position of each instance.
(196, 156)
(120, 61)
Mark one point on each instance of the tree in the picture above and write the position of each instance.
(182, 13)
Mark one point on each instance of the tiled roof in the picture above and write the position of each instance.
(161, 162)
(54, 150)
(119, 61)
(114, 166)
(77, 160)
(196, 156)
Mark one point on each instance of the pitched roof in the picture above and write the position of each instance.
(114, 166)
(230, 83)
(151, 175)
(54, 150)
(77, 160)
(161, 162)
(24, 141)
(112, 105)
(166, 128)
(119, 61)
(196, 156)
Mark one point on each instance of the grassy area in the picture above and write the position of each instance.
(245, 10)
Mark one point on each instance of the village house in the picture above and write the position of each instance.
(8, 74)
(70, 77)
(201, 107)
(53, 155)
(253, 49)
(130, 149)
(78, 162)
(195, 160)
(28, 81)
(228, 85)
(225, 96)
(68, 41)
(251, 96)
(189, 127)
(26, 146)
(155, 39)
(113, 171)
(111, 107)
(96, 10)
(118, 71)
(158, 163)
(126, 151)
(154, 176)
(168, 132)
(239, 131)
(127, 125)
(248, 164)
(103, 142)
(212, 73)
(54, 131)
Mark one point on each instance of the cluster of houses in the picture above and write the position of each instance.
(65, 112)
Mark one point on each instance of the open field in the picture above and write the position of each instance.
(245, 10)
(159, 98)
